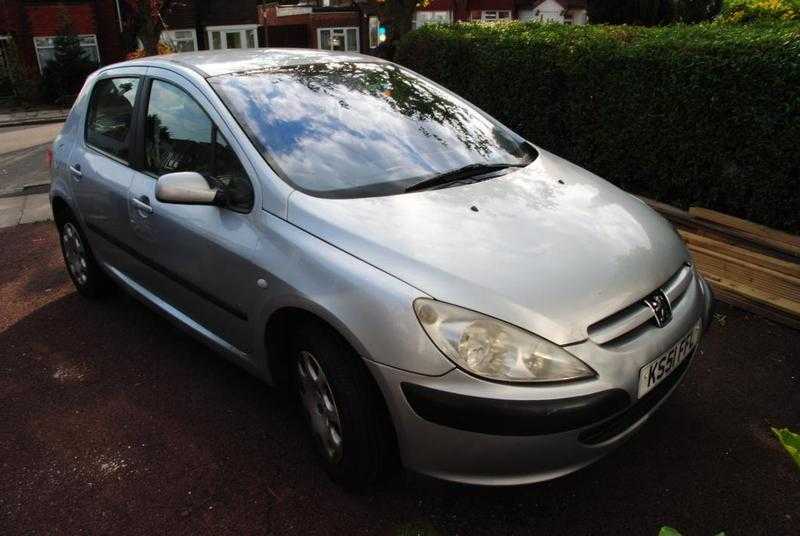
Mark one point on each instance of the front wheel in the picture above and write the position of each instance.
(87, 276)
(342, 407)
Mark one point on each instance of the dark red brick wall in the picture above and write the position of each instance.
(47, 19)
(221, 12)
(109, 38)
(198, 14)
(182, 16)
(438, 5)
(482, 5)
(10, 17)
(313, 21)
(470, 9)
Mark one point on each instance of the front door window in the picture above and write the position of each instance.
(179, 136)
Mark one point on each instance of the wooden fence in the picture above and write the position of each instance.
(748, 265)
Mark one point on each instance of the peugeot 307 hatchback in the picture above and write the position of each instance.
(427, 282)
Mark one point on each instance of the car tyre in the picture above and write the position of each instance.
(343, 408)
(87, 276)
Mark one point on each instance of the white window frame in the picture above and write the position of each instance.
(241, 28)
(343, 29)
(169, 37)
(493, 15)
(431, 17)
(39, 39)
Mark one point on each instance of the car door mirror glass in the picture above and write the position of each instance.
(187, 188)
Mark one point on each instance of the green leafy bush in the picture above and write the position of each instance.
(790, 441)
(705, 115)
(747, 11)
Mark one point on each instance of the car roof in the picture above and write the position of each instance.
(218, 62)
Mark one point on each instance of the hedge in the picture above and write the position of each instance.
(747, 11)
(705, 115)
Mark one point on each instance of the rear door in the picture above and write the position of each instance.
(196, 258)
(100, 167)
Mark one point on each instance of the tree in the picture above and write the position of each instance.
(652, 12)
(63, 76)
(147, 21)
(398, 16)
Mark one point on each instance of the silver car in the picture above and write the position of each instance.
(434, 288)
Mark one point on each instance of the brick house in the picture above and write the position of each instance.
(213, 25)
(327, 24)
(33, 24)
(448, 11)
(354, 25)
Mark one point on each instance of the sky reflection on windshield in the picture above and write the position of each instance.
(362, 129)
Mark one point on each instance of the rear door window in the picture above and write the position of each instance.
(108, 124)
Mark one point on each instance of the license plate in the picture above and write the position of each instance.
(656, 370)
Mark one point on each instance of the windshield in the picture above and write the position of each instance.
(362, 129)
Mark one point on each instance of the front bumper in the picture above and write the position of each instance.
(461, 428)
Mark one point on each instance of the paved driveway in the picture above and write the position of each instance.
(113, 421)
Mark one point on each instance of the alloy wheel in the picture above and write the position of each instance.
(75, 253)
(320, 406)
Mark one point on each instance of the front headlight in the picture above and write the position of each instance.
(496, 350)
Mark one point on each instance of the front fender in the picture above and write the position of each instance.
(371, 309)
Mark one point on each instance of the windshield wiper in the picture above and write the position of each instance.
(465, 172)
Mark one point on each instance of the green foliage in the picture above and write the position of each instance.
(748, 11)
(790, 441)
(398, 15)
(652, 12)
(705, 115)
(64, 75)
(669, 531)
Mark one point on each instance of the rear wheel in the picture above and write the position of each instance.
(345, 414)
(87, 276)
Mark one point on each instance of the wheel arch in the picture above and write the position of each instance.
(277, 335)
(61, 210)
(277, 331)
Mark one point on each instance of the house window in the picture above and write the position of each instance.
(495, 15)
(46, 49)
(231, 37)
(180, 40)
(421, 18)
(338, 39)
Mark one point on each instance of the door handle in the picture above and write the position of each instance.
(142, 204)
(75, 169)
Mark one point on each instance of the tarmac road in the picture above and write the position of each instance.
(112, 421)
(22, 156)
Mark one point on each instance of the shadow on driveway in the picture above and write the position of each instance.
(113, 421)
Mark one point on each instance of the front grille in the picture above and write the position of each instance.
(633, 317)
(621, 422)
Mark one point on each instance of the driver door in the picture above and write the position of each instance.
(196, 258)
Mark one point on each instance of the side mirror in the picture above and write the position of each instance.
(187, 188)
